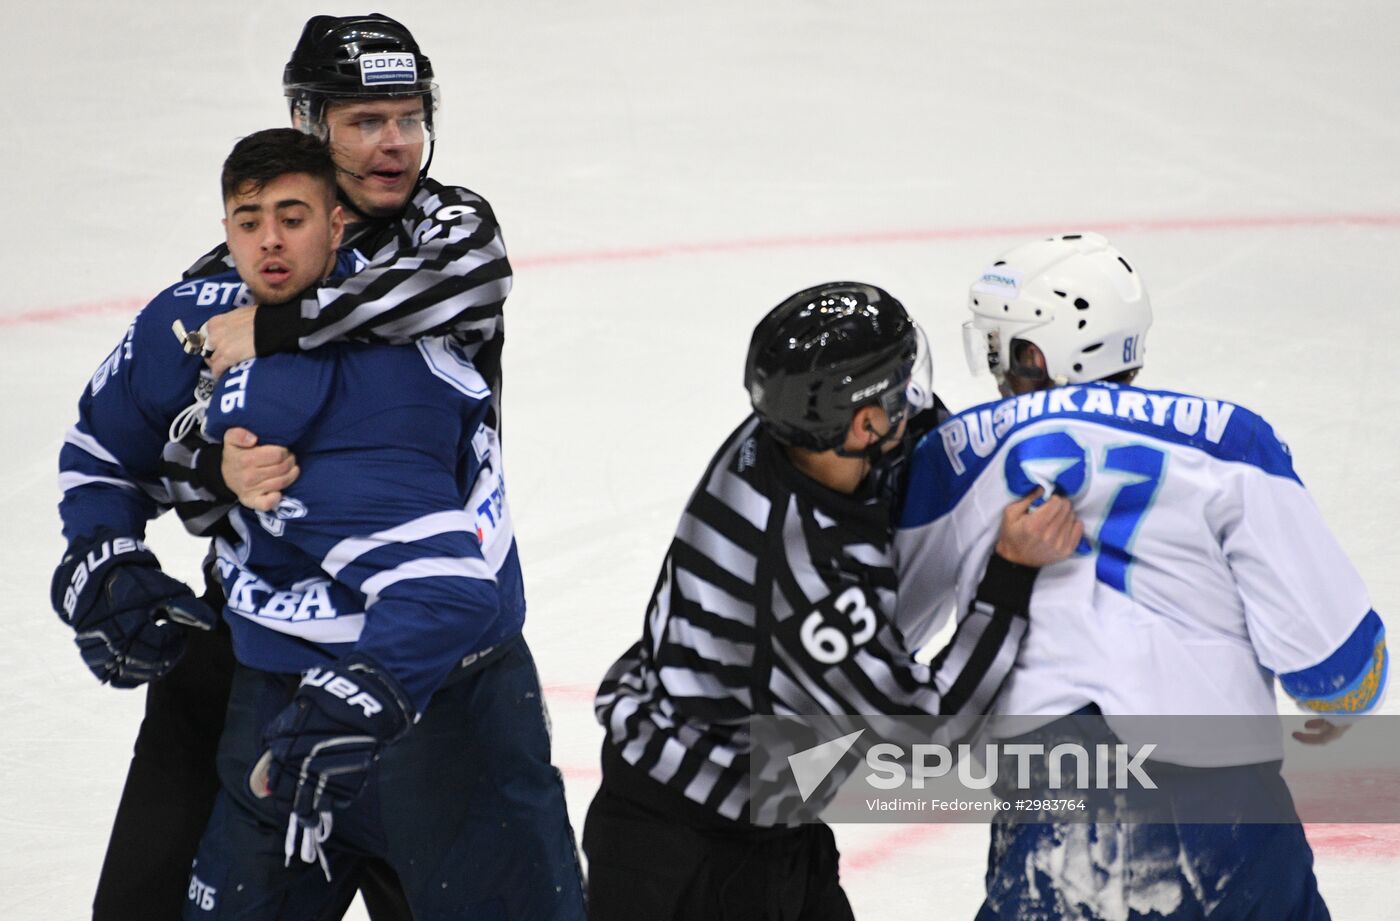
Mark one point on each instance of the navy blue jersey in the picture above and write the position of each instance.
(110, 463)
(396, 539)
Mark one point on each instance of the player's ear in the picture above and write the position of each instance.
(337, 226)
(863, 426)
(1036, 358)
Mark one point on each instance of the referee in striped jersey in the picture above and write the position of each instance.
(793, 518)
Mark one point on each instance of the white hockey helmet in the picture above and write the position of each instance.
(1073, 296)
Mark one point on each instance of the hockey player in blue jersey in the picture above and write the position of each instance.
(427, 258)
(1207, 575)
(387, 578)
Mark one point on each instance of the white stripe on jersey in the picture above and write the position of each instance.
(466, 567)
(410, 284)
(70, 479)
(687, 682)
(683, 633)
(718, 548)
(739, 496)
(669, 761)
(972, 626)
(345, 628)
(712, 599)
(352, 548)
(82, 440)
(799, 556)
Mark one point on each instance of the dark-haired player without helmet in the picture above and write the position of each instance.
(426, 258)
(790, 527)
(387, 581)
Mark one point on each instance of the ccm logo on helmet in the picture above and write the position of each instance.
(867, 392)
(388, 67)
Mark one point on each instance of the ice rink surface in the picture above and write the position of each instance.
(664, 174)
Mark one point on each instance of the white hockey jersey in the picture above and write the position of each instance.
(1206, 568)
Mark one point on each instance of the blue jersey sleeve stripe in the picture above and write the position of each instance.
(86, 443)
(1351, 679)
(432, 567)
(71, 479)
(351, 549)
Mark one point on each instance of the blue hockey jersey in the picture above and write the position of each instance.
(109, 465)
(1206, 569)
(396, 539)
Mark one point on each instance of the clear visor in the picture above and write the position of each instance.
(919, 391)
(383, 131)
(986, 350)
(982, 348)
(374, 128)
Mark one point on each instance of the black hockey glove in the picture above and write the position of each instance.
(128, 617)
(321, 747)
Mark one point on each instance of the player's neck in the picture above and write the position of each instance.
(837, 473)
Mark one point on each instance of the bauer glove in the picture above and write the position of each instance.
(321, 747)
(129, 618)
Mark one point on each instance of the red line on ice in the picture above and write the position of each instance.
(895, 844)
(128, 305)
(1147, 225)
(854, 238)
(1360, 842)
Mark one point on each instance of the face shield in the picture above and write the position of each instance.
(916, 371)
(986, 348)
(982, 347)
(919, 391)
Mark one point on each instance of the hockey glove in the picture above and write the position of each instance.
(128, 617)
(321, 747)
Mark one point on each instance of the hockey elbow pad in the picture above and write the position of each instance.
(1352, 680)
(128, 617)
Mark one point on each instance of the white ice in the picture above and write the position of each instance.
(666, 172)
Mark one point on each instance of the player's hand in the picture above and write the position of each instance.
(129, 618)
(320, 749)
(256, 473)
(1038, 535)
(228, 339)
(1321, 731)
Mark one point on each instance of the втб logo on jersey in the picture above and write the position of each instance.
(216, 293)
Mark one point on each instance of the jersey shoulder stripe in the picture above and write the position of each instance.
(950, 459)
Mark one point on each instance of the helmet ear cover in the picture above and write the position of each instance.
(823, 354)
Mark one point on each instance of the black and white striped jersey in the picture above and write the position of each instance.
(438, 268)
(776, 598)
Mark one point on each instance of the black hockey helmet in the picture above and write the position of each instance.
(347, 57)
(824, 353)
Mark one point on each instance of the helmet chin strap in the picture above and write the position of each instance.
(871, 453)
(432, 144)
